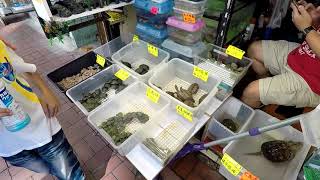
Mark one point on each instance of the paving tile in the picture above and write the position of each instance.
(99, 160)
(71, 116)
(77, 131)
(4, 175)
(109, 177)
(184, 166)
(23, 174)
(113, 163)
(130, 166)
(205, 172)
(95, 142)
(83, 151)
(168, 174)
(3, 165)
(41, 176)
(15, 170)
(123, 173)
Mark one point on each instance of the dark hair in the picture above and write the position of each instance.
(316, 3)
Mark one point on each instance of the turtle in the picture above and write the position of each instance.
(279, 150)
(230, 124)
(126, 64)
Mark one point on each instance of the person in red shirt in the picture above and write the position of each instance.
(295, 67)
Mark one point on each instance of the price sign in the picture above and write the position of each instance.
(235, 52)
(122, 74)
(232, 166)
(135, 38)
(154, 10)
(100, 60)
(153, 50)
(248, 176)
(189, 18)
(184, 112)
(200, 73)
(153, 95)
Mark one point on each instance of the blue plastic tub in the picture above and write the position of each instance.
(154, 7)
(150, 34)
(158, 20)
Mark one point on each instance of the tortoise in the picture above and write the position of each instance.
(279, 150)
(230, 124)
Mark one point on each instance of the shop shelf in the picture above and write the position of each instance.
(136, 53)
(235, 110)
(215, 60)
(180, 73)
(151, 34)
(157, 8)
(258, 165)
(189, 5)
(183, 52)
(179, 13)
(74, 68)
(132, 99)
(96, 82)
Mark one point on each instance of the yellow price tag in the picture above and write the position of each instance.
(153, 50)
(122, 74)
(235, 52)
(153, 95)
(189, 18)
(200, 73)
(100, 60)
(184, 112)
(135, 38)
(232, 166)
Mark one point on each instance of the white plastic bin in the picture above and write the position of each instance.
(214, 60)
(132, 99)
(180, 73)
(257, 164)
(178, 13)
(136, 53)
(96, 82)
(192, 6)
(235, 110)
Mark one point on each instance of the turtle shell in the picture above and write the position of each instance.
(277, 151)
(230, 124)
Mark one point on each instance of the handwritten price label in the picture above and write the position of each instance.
(154, 10)
(232, 166)
(153, 95)
(100, 60)
(135, 38)
(122, 74)
(184, 112)
(200, 73)
(189, 18)
(235, 52)
(248, 176)
(153, 50)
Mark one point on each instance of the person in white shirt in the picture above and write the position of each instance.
(41, 146)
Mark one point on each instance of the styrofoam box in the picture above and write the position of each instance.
(95, 82)
(132, 99)
(229, 77)
(235, 110)
(136, 53)
(180, 73)
(193, 6)
(170, 131)
(257, 164)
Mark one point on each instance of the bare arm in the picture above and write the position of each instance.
(49, 102)
(313, 39)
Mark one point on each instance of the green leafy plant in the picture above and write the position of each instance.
(55, 29)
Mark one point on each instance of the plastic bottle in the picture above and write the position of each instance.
(19, 119)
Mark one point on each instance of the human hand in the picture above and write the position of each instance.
(5, 112)
(300, 17)
(50, 104)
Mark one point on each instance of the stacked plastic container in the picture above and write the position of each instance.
(151, 19)
(185, 29)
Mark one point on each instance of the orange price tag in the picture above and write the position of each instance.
(189, 18)
(248, 176)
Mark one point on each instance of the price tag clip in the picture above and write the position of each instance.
(122, 74)
(153, 50)
(153, 95)
(184, 113)
(235, 52)
(200, 73)
(100, 60)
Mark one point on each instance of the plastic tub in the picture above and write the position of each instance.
(180, 73)
(184, 37)
(74, 68)
(174, 22)
(149, 18)
(235, 110)
(151, 34)
(215, 60)
(257, 164)
(154, 7)
(183, 52)
(95, 82)
(189, 5)
(132, 99)
(136, 53)
(179, 13)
